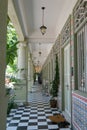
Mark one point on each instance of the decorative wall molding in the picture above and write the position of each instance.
(80, 14)
(56, 47)
(65, 33)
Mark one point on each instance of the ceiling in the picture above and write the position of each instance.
(26, 16)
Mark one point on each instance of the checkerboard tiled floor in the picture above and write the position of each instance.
(33, 117)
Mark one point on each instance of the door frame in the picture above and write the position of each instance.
(67, 91)
(62, 78)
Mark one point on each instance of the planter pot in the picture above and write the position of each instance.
(53, 103)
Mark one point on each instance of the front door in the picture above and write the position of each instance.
(67, 92)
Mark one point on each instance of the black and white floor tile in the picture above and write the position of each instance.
(33, 117)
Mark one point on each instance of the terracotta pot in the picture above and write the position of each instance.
(53, 103)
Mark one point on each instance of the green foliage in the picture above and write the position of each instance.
(55, 83)
(15, 80)
(11, 105)
(8, 91)
(11, 48)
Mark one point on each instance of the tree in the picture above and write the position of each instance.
(11, 48)
(55, 83)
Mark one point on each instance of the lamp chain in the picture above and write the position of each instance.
(43, 15)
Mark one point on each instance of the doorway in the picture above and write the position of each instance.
(67, 90)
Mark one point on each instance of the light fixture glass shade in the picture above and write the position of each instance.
(43, 29)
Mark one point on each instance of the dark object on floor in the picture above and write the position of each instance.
(64, 124)
(60, 120)
(53, 103)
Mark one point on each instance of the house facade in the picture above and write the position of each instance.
(71, 48)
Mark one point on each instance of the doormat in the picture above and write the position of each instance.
(57, 118)
(60, 120)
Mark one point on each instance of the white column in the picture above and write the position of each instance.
(22, 60)
(30, 74)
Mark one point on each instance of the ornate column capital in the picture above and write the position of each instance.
(23, 43)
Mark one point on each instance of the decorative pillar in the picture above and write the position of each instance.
(22, 60)
(22, 93)
(30, 73)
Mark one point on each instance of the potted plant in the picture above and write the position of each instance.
(55, 85)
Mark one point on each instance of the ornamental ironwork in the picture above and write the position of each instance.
(56, 47)
(65, 33)
(80, 14)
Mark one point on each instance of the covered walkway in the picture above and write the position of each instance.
(65, 37)
(35, 115)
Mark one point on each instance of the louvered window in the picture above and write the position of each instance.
(82, 59)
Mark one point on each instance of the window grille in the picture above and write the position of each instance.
(81, 59)
(80, 14)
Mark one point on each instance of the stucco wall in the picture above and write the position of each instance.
(3, 96)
